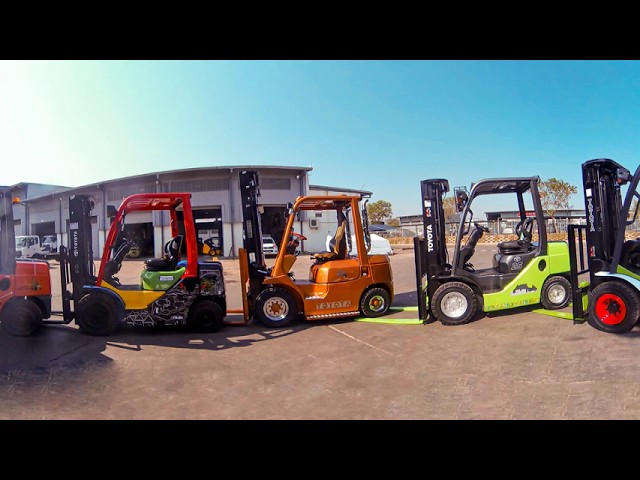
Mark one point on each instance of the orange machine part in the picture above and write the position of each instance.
(32, 279)
(244, 279)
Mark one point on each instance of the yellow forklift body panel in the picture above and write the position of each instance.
(135, 299)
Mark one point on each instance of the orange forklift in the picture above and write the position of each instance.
(25, 284)
(339, 284)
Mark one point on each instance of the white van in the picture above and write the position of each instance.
(379, 245)
(28, 246)
(50, 243)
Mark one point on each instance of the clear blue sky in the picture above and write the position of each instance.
(378, 125)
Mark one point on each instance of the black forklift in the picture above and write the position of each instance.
(607, 248)
(525, 271)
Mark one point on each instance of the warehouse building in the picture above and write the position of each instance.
(44, 209)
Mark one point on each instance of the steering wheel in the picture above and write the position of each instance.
(524, 229)
(298, 236)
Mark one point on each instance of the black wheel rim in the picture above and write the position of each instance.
(97, 317)
(206, 318)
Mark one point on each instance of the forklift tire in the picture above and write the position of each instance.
(21, 318)
(205, 316)
(276, 307)
(613, 307)
(375, 302)
(98, 314)
(454, 303)
(556, 293)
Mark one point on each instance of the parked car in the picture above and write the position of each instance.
(379, 245)
(29, 246)
(50, 243)
(269, 246)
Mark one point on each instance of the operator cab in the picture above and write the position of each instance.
(514, 254)
(336, 265)
(158, 274)
(337, 244)
(630, 250)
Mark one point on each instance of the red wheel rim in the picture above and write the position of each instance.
(610, 309)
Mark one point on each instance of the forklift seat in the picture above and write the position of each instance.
(170, 258)
(524, 230)
(339, 250)
(470, 247)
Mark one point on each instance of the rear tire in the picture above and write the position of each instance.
(556, 293)
(99, 314)
(375, 302)
(614, 307)
(275, 308)
(205, 316)
(21, 318)
(454, 303)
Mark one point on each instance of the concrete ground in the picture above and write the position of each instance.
(520, 365)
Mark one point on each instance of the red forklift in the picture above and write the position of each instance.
(176, 289)
(25, 284)
(607, 248)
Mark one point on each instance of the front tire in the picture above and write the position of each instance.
(21, 318)
(374, 302)
(205, 317)
(556, 293)
(276, 307)
(454, 303)
(614, 307)
(99, 314)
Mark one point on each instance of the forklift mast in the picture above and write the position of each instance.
(7, 233)
(252, 231)
(605, 216)
(251, 226)
(78, 256)
(431, 256)
(433, 192)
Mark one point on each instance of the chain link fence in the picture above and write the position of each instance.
(498, 230)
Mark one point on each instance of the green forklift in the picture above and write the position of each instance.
(526, 271)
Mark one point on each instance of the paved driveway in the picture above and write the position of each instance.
(518, 366)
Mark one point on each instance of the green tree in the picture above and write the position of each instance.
(394, 222)
(379, 211)
(449, 205)
(555, 195)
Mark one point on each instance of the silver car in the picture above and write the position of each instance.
(269, 246)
